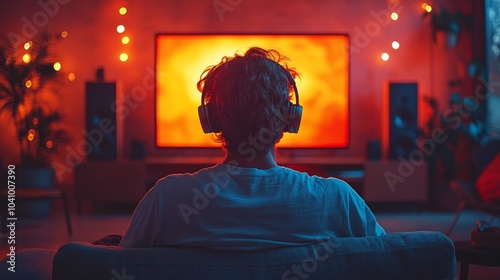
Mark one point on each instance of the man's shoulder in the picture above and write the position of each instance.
(176, 179)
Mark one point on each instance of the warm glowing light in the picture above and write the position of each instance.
(57, 66)
(26, 58)
(28, 83)
(64, 34)
(120, 28)
(395, 45)
(426, 7)
(71, 76)
(49, 144)
(123, 57)
(394, 16)
(178, 125)
(125, 40)
(35, 121)
(27, 45)
(31, 135)
(122, 11)
(385, 56)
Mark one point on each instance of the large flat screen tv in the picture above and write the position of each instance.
(321, 59)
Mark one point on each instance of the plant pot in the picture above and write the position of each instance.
(35, 177)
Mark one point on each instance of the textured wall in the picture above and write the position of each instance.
(93, 42)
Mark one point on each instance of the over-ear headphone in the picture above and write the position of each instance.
(211, 124)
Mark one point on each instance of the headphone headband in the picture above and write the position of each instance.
(210, 124)
(290, 78)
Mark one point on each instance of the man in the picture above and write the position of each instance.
(248, 202)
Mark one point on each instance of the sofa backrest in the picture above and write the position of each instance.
(412, 255)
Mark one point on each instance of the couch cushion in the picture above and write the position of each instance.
(416, 255)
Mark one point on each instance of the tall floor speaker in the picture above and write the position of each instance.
(403, 117)
(101, 121)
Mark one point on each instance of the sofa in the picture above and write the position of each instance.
(407, 255)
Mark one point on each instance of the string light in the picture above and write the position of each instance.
(28, 84)
(26, 58)
(385, 56)
(395, 45)
(49, 144)
(120, 28)
(123, 57)
(27, 45)
(31, 135)
(57, 66)
(35, 121)
(64, 34)
(125, 40)
(426, 7)
(71, 76)
(394, 16)
(122, 11)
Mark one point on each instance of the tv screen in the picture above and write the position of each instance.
(322, 61)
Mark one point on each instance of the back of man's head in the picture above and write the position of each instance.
(249, 96)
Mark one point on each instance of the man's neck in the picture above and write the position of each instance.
(264, 161)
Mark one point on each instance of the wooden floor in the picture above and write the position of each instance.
(51, 232)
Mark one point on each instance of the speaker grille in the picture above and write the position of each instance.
(403, 127)
(101, 121)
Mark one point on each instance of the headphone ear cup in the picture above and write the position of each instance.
(295, 116)
(204, 118)
(209, 123)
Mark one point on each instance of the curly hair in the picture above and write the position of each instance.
(250, 95)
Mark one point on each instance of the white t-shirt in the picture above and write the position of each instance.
(234, 208)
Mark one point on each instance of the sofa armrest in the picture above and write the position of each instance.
(412, 255)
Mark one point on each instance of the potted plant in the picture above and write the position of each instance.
(28, 78)
(447, 27)
(463, 128)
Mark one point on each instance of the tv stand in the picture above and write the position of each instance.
(375, 181)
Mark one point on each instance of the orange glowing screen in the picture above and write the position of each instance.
(322, 61)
